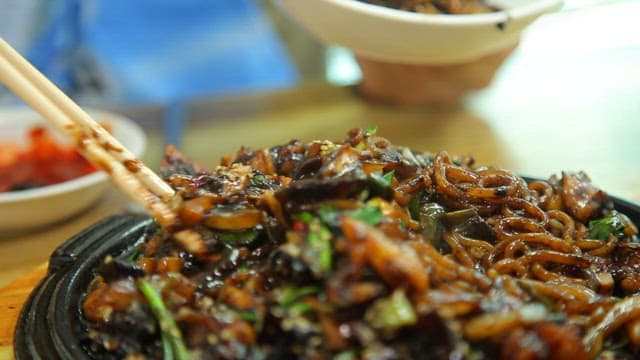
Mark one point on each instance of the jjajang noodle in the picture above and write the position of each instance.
(363, 249)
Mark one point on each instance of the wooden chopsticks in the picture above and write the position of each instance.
(96, 144)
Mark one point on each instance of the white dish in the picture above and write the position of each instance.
(399, 36)
(33, 208)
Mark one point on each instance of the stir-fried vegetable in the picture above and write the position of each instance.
(173, 345)
(390, 314)
(612, 224)
(288, 295)
(383, 180)
(432, 227)
(369, 214)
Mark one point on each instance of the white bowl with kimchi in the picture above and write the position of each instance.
(43, 180)
(399, 36)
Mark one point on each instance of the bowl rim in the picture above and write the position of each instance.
(532, 8)
(132, 129)
(54, 189)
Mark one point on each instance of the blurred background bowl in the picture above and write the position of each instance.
(34, 208)
(418, 59)
(398, 36)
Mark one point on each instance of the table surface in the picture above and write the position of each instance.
(576, 107)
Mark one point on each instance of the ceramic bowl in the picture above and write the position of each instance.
(397, 36)
(34, 208)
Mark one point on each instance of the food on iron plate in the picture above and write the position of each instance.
(363, 249)
(437, 6)
(44, 161)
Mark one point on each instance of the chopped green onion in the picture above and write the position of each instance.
(380, 184)
(369, 214)
(133, 257)
(388, 177)
(385, 180)
(329, 215)
(299, 308)
(613, 223)
(305, 217)
(391, 313)
(249, 316)
(168, 326)
(414, 206)
(244, 267)
(287, 295)
(167, 351)
(346, 355)
(364, 195)
(458, 161)
(371, 130)
(317, 252)
(259, 180)
(240, 237)
(320, 242)
(325, 255)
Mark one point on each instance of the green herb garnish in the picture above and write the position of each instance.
(249, 316)
(133, 257)
(167, 351)
(259, 180)
(320, 241)
(383, 180)
(369, 214)
(371, 130)
(329, 215)
(240, 237)
(299, 308)
(414, 206)
(346, 355)
(305, 217)
(288, 295)
(391, 313)
(170, 331)
(317, 251)
(613, 224)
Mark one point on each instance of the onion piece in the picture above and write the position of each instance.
(233, 219)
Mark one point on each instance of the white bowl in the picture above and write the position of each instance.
(30, 209)
(398, 36)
